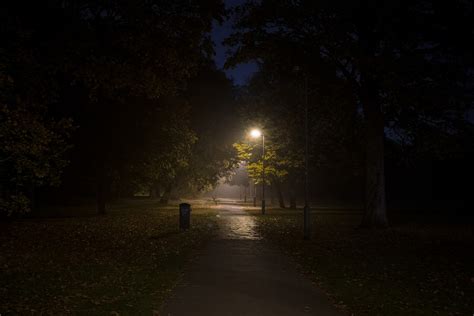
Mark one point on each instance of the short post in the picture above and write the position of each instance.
(184, 216)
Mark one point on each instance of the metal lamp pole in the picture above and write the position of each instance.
(263, 174)
(306, 210)
(256, 133)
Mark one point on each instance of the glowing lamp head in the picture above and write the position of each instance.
(255, 133)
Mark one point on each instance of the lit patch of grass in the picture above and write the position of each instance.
(404, 270)
(125, 262)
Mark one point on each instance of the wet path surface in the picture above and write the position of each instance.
(239, 274)
(235, 223)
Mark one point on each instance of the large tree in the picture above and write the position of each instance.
(32, 140)
(405, 63)
(110, 65)
(276, 99)
(181, 147)
(213, 117)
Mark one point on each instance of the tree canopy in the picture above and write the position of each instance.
(117, 72)
(402, 67)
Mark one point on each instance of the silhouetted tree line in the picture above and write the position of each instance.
(98, 96)
(392, 74)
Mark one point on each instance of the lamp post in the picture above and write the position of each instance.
(256, 133)
(306, 210)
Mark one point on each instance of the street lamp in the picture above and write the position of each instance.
(306, 210)
(256, 133)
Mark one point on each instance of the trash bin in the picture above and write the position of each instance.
(184, 215)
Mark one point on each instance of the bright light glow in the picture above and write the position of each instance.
(255, 133)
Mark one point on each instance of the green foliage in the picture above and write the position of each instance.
(14, 203)
(403, 67)
(277, 165)
(139, 46)
(240, 177)
(349, 51)
(33, 146)
(276, 98)
(118, 69)
(184, 149)
(31, 154)
(213, 117)
(206, 168)
(166, 152)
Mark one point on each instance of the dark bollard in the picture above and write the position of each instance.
(184, 216)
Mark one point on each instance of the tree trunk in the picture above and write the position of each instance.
(293, 197)
(293, 202)
(166, 195)
(101, 191)
(281, 199)
(33, 199)
(375, 204)
(101, 150)
(155, 191)
(375, 208)
(272, 193)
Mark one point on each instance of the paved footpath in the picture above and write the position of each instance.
(239, 274)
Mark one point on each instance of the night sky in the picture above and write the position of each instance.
(242, 72)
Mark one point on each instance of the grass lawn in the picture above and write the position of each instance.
(123, 263)
(410, 269)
